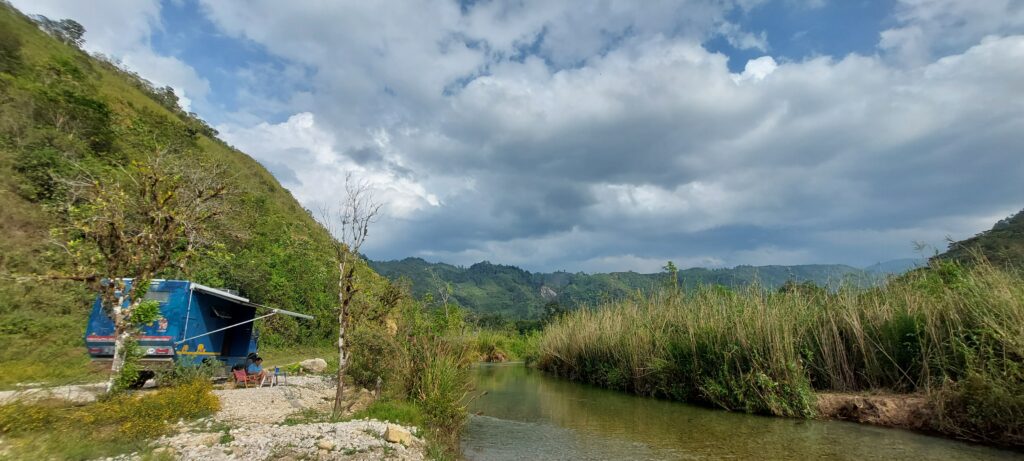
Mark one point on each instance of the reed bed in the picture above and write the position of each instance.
(951, 332)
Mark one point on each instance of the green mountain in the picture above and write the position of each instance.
(1003, 244)
(494, 289)
(64, 112)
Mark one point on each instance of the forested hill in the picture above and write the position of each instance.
(1002, 245)
(65, 113)
(494, 289)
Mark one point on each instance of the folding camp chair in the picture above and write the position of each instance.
(243, 378)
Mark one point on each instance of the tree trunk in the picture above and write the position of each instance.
(342, 356)
(120, 335)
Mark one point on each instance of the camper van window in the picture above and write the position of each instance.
(158, 296)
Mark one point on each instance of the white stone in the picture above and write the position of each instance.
(326, 444)
(316, 365)
(397, 434)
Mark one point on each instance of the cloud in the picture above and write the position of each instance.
(601, 136)
(931, 28)
(313, 163)
(631, 147)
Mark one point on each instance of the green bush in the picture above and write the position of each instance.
(374, 354)
(185, 372)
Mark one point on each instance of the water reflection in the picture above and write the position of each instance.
(526, 414)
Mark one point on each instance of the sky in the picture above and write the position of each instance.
(609, 135)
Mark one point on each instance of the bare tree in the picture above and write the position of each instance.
(444, 291)
(134, 224)
(349, 221)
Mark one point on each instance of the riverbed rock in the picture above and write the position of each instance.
(396, 434)
(316, 365)
(326, 444)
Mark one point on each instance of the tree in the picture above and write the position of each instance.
(66, 30)
(349, 222)
(136, 223)
(444, 291)
(673, 276)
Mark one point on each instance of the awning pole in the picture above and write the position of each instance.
(225, 328)
(188, 313)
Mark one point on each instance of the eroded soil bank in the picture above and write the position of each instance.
(907, 411)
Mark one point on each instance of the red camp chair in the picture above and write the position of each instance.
(241, 377)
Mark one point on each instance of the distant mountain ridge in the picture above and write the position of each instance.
(496, 289)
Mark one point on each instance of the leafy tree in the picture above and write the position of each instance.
(66, 30)
(134, 225)
(673, 276)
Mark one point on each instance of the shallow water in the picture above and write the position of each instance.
(525, 414)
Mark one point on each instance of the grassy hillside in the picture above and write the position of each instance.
(493, 289)
(1003, 245)
(65, 113)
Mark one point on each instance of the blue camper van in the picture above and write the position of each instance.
(197, 323)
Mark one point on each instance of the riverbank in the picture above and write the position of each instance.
(524, 413)
(952, 334)
(225, 423)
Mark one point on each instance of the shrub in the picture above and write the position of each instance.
(374, 354)
(440, 384)
(185, 371)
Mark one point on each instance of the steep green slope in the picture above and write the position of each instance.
(494, 289)
(1002, 245)
(62, 113)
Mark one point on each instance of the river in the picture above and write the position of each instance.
(525, 414)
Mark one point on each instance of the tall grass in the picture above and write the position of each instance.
(952, 332)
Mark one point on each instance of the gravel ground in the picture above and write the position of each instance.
(352, 440)
(249, 427)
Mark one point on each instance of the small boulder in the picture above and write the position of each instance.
(326, 444)
(164, 451)
(317, 365)
(396, 434)
(208, 440)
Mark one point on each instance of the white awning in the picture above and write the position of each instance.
(244, 301)
(218, 293)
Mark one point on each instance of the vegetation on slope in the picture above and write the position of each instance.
(65, 114)
(1002, 245)
(949, 331)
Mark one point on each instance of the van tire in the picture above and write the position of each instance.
(144, 375)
